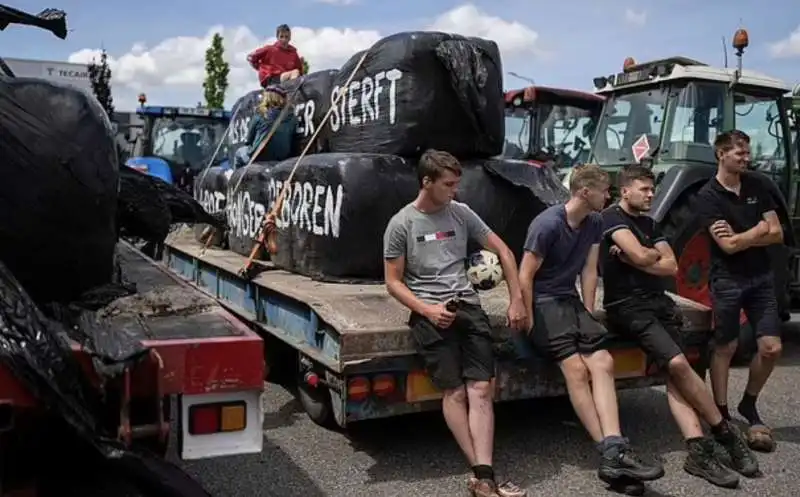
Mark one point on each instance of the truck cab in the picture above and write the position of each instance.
(177, 143)
(550, 124)
(666, 114)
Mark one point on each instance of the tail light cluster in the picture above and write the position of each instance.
(359, 388)
(219, 417)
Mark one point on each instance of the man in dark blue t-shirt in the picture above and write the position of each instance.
(637, 260)
(562, 244)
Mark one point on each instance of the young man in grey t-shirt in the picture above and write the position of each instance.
(425, 249)
(563, 243)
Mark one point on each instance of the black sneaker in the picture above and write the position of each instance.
(702, 462)
(626, 463)
(742, 459)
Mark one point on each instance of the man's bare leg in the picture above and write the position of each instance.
(480, 396)
(685, 416)
(618, 460)
(604, 391)
(456, 415)
(720, 369)
(761, 367)
(687, 385)
(576, 375)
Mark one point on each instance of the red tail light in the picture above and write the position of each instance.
(205, 419)
(358, 389)
(383, 385)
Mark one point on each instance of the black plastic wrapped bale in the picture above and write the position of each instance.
(331, 224)
(211, 191)
(242, 113)
(58, 188)
(311, 97)
(246, 207)
(149, 206)
(420, 90)
(507, 195)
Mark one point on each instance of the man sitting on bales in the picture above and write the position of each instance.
(277, 62)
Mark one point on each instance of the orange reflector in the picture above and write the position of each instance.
(383, 385)
(358, 388)
(234, 418)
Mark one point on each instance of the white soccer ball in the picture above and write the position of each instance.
(484, 270)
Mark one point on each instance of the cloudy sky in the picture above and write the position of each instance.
(158, 46)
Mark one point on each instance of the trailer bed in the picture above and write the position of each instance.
(165, 307)
(364, 321)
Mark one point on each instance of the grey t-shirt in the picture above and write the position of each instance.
(435, 250)
(564, 250)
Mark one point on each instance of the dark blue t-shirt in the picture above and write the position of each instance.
(564, 250)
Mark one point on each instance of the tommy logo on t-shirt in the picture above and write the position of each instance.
(439, 235)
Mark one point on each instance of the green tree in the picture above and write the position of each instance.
(305, 65)
(216, 83)
(100, 77)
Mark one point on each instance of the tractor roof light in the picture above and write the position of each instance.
(628, 64)
(741, 40)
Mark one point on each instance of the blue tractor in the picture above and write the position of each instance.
(177, 143)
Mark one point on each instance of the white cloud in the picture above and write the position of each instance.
(512, 37)
(788, 47)
(171, 72)
(636, 18)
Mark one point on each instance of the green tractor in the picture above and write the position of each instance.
(666, 114)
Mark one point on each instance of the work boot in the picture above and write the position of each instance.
(742, 459)
(621, 461)
(703, 463)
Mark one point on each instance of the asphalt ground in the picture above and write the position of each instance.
(539, 444)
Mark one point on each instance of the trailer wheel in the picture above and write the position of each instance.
(692, 248)
(316, 401)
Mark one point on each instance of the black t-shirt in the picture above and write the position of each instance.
(621, 280)
(714, 202)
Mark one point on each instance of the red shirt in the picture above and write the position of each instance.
(273, 60)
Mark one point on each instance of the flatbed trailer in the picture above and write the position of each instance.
(349, 348)
(201, 356)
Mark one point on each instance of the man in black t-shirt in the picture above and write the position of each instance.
(739, 212)
(636, 260)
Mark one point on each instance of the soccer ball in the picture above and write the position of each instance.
(484, 270)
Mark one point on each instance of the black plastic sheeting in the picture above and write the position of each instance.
(331, 224)
(242, 112)
(211, 190)
(58, 188)
(311, 100)
(37, 352)
(148, 206)
(420, 90)
(246, 206)
(507, 195)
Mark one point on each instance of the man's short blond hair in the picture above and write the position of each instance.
(588, 176)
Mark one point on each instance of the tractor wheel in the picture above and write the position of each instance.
(691, 245)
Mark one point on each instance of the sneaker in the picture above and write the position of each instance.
(626, 463)
(506, 489)
(742, 459)
(482, 488)
(701, 462)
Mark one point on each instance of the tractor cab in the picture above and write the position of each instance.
(550, 124)
(177, 143)
(667, 112)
